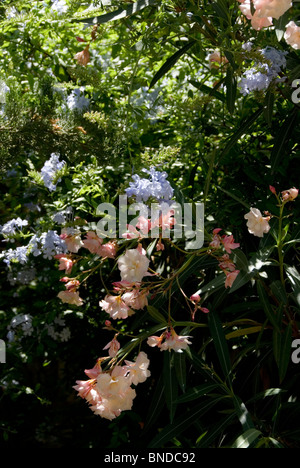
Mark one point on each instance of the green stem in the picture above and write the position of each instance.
(280, 245)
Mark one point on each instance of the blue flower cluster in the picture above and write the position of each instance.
(156, 186)
(47, 244)
(50, 169)
(11, 227)
(262, 75)
(76, 101)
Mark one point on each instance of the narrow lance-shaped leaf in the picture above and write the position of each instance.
(170, 381)
(246, 439)
(231, 87)
(183, 422)
(265, 300)
(215, 326)
(282, 138)
(117, 14)
(171, 62)
(242, 129)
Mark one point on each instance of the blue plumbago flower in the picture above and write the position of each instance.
(77, 101)
(156, 186)
(59, 6)
(49, 170)
(11, 227)
(262, 75)
(48, 244)
(19, 254)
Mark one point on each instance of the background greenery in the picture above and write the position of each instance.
(154, 100)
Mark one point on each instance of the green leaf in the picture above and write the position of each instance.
(117, 14)
(231, 90)
(240, 260)
(269, 311)
(217, 332)
(282, 344)
(157, 404)
(197, 392)
(246, 439)
(215, 431)
(183, 422)
(243, 128)
(170, 383)
(282, 138)
(269, 106)
(242, 413)
(294, 278)
(171, 62)
(156, 315)
(207, 90)
(180, 369)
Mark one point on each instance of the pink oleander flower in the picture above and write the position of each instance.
(292, 35)
(92, 242)
(204, 310)
(133, 265)
(138, 370)
(136, 299)
(108, 250)
(290, 195)
(169, 340)
(230, 278)
(257, 21)
(160, 245)
(165, 220)
(256, 223)
(271, 8)
(272, 189)
(155, 341)
(229, 244)
(216, 241)
(226, 263)
(110, 393)
(65, 262)
(115, 307)
(72, 284)
(70, 297)
(86, 390)
(216, 57)
(72, 239)
(175, 342)
(111, 407)
(95, 371)
(144, 225)
(195, 298)
(113, 347)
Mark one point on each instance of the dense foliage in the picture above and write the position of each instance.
(190, 102)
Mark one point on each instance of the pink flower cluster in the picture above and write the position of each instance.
(94, 245)
(110, 392)
(225, 263)
(70, 295)
(133, 266)
(264, 11)
(164, 222)
(169, 340)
